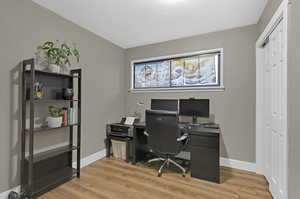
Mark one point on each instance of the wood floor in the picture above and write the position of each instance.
(114, 179)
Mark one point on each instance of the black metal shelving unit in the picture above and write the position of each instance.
(41, 172)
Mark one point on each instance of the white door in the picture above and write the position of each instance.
(274, 113)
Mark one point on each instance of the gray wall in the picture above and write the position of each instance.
(234, 108)
(294, 100)
(24, 25)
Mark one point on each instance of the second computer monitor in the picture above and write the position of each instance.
(164, 104)
(194, 107)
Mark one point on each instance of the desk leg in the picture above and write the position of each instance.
(134, 140)
(140, 148)
(108, 147)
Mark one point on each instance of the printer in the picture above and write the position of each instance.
(120, 129)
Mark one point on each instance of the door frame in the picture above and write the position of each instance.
(280, 15)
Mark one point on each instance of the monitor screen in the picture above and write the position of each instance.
(164, 104)
(194, 107)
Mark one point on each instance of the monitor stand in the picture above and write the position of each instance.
(195, 121)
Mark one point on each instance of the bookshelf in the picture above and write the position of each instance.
(41, 172)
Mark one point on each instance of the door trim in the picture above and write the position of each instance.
(280, 15)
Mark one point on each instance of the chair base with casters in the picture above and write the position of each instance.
(166, 162)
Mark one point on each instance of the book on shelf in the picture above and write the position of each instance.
(65, 117)
(69, 115)
(74, 116)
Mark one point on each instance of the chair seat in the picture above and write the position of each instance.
(184, 155)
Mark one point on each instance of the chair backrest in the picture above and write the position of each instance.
(162, 128)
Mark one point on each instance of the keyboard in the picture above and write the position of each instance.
(186, 125)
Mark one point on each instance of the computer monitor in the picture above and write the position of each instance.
(164, 104)
(194, 107)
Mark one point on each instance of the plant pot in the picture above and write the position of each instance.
(54, 68)
(42, 60)
(54, 122)
(65, 69)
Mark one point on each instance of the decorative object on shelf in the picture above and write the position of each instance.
(55, 119)
(68, 93)
(58, 54)
(38, 90)
(42, 60)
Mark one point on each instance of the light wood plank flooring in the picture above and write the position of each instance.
(114, 179)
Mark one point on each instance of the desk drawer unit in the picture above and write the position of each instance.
(205, 141)
(205, 157)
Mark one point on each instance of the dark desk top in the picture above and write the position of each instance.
(140, 124)
(204, 130)
(194, 130)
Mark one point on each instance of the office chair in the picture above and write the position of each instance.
(164, 137)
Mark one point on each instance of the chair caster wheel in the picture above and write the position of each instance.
(13, 195)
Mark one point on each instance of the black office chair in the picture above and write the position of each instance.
(164, 137)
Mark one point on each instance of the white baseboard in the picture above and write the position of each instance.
(236, 164)
(91, 158)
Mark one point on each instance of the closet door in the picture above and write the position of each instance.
(267, 112)
(275, 137)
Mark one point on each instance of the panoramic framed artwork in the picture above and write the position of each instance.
(190, 71)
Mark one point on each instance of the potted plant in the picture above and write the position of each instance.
(59, 54)
(55, 118)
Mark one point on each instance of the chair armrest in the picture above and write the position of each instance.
(146, 134)
(183, 137)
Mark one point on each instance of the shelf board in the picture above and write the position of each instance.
(46, 128)
(50, 73)
(52, 153)
(52, 180)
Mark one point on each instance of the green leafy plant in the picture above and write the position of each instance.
(55, 111)
(59, 53)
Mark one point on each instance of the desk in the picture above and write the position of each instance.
(204, 147)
